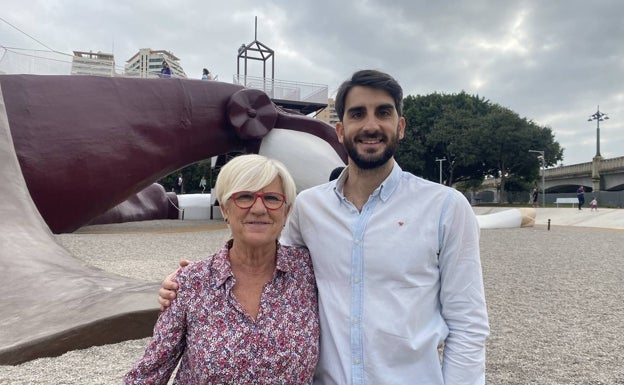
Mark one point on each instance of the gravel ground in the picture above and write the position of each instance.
(554, 298)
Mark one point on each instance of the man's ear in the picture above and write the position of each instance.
(401, 127)
(340, 132)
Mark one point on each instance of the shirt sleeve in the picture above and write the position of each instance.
(291, 235)
(166, 347)
(462, 295)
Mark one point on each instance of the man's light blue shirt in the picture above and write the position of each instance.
(395, 281)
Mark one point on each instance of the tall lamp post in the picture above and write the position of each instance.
(542, 159)
(440, 160)
(597, 161)
(598, 117)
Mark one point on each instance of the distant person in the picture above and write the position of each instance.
(593, 204)
(535, 195)
(247, 314)
(179, 185)
(165, 72)
(580, 195)
(206, 75)
(202, 184)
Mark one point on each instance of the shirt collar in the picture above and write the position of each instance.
(385, 189)
(223, 268)
(390, 184)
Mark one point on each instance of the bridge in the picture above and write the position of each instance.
(602, 178)
(598, 175)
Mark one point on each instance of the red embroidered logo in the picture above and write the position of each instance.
(401, 223)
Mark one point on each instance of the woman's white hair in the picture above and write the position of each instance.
(253, 172)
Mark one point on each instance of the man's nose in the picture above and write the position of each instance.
(371, 122)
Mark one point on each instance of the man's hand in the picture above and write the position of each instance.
(169, 288)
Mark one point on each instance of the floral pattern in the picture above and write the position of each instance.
(217, 342)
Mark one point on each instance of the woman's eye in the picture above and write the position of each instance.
(244, 197)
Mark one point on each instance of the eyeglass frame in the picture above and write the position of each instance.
(257, 195)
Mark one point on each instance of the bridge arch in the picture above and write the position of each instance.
(605, 174)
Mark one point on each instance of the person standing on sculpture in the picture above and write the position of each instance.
(396, 257)
(165, 71)
(206, 74)
(580, 195)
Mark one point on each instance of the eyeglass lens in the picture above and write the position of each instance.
(246, 199)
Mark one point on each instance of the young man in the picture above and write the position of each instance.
(580, 195)
(396, 257)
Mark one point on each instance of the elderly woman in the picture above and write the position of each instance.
(249, 313)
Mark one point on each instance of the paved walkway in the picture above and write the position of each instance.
(568, 216)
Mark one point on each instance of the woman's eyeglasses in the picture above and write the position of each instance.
(270, 200)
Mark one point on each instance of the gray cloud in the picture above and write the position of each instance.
(551, 62)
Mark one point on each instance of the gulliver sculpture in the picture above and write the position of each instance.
(71, 148)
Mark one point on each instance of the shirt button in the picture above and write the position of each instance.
(356, 321)
(356, 280)
(356, 361)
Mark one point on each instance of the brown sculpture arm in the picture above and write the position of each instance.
(312, 126)
(87, 143)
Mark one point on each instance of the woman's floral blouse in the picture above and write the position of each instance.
(217, 342)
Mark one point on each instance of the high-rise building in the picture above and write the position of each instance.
(329, 114)
(147, 64)
(91, 63)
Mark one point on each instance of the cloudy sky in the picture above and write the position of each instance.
(552, 62)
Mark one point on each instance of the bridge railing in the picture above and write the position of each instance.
(612, 164)
(575, 169)
(585, 168)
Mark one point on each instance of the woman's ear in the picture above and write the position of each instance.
(224, 212)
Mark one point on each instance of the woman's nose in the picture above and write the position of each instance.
(258, 206)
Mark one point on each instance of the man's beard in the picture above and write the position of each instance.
(373, 161)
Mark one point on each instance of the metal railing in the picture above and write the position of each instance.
(585, 168)
(285, 90)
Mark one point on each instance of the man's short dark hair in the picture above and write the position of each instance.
(369, 78)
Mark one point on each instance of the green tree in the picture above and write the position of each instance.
(476, 137)
(442, 124)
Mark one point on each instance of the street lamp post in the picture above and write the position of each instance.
(440, 160)
(542, 158)
(597, 161)
(598, 117)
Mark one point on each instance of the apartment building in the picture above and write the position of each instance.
(93, 63)
(328, 114)
(147, 63)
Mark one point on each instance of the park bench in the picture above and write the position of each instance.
(566, 200)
